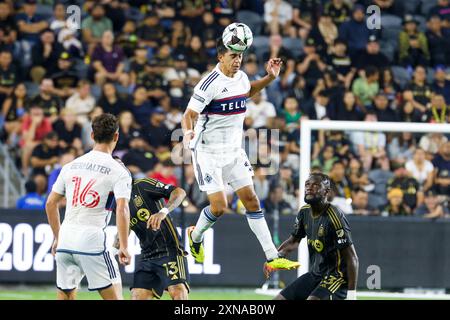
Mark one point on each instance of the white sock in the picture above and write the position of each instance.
(204, 222)
(258, 224)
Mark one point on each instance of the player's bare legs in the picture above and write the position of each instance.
(313, 298)
(279, 297)
(66, 295)
(113, 292)
(141, 294)
(178, 292)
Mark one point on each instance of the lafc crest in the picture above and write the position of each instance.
(340, 233)
(138, 202)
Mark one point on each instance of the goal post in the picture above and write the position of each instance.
(307, 126)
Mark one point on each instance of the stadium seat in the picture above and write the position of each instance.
(391, 21)
(96, 91)
(260, 46)
(426, 6)
(252, 19)
(390, 34)
(388, 49)
(46, 11)
(81, 68)
(294, 45)
(401, 76)
(411, 6)
(430, 75)
(422, 23)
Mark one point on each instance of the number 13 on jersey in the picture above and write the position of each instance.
(87, 191)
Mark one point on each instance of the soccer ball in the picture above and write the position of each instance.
(237, 37)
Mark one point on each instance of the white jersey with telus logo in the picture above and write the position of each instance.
(221, 103)
(90, 183)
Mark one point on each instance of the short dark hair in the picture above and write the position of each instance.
(30, 186)
(104, 127)
(220, 47)
(371, 70)
(323, 177)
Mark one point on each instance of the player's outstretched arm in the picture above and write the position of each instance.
(187, 123)
(273, 70)
(288, 246)
(122, 223)
(51, 208)
(352, 262)
(176, 198)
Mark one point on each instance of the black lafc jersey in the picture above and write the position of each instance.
(327, 235)
(146, 199)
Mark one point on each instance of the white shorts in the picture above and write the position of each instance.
(213, 173)
(101, 270)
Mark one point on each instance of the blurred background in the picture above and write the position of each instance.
(140, 60)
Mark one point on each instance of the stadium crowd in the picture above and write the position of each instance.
(141, 59)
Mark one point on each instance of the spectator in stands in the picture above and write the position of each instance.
(260, 112)
(138, 64)
(8, 75)
(164, 56)
(139, 159)
(441, 85)
(210, 32)
(181, 78)
(156, 133)
(411, 193)
(41, 184)
(371, 54)
(31, 200)
(46, 155)
(110, 101)
(81, 102)
(347, 110)
(396, 207)
(275, 204)
(401, 146)
(366, 87)
(8, 30)
(45, 55)
(442, 9)
(181, 35)
(64, 76)
(437, 109)
(340, 187)
(69, 131)
(35, 126)
(165, 173)
(355, 32)
(379, 176)
(341, 62)
(291, 112)
(58, 20)
(324, 34)
(410, 114)
(393, 7)
(151, 33)
(438, 41)
(29, 25)
(196, 55)
(412, 44)
(421, 91)
(441, 163)
(107, 61)
(127, 130)
(432, 207)
(128, 39)
(195, 198)
(383, 109)
(48, 100)
(326, 159)
(140, 106)
(305, 16)
(310, 65)
(13, 110)
(154, 82)
(278, 16)
(431, 143)
(389, 86)
(339, 10)
(369, 145)
(278, 50)
(420, 169)
(191, 13)
(64, 159)
(360, 203)
(94, 26)
(174, 114)
(67, 37)
(356, 174)
(317, 109)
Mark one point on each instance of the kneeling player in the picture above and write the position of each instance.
(162, 264)
(334, 263)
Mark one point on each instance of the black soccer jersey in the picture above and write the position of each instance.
(327, 235)
(146, 199)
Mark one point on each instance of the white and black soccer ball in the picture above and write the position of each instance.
(237, 37)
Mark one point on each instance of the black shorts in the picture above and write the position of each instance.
(159, 274)
(327, 288)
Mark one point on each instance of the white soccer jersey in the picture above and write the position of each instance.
(221, 103)
(91, 183)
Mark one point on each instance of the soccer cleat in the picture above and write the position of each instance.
(196, 248)
(279, 264)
